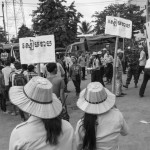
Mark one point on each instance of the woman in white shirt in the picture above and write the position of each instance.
(102, 123)
(44, 130)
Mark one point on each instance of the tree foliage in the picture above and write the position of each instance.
(53, 17)
(2, 35)
(131, 12)
(85, 27)
(25, 32)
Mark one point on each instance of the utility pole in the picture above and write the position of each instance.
(148, 11)
(15, 17)
(4, 20)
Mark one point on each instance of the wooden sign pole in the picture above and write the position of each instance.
(38, 69)
(114, 64)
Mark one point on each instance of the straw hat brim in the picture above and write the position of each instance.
(96, 108)
(44, 111)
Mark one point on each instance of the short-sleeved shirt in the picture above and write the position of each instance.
(142, 59)
(6, 72)
(30, 75)
(58, 84)
(82, 61)
(31, 135)
(75, 69)
(108, 58)
(96, 64)
(109, 126)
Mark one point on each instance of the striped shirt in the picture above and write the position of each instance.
(30, 75)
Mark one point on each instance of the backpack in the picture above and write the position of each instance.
(20, 79)
(10, 78)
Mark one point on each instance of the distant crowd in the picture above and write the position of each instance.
(41, 100)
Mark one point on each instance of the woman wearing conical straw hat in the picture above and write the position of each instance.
(102, 123)
(43, 130)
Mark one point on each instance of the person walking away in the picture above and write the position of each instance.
(18, 79)
(146, 77)
(6, 72)
(31, 72)
(102, 70)
(109, 67)
(58, 87)
(133, 63)
(119, 72)
(63, 63)
(94, 64)
(68, 61)
(102, 123)
(82, 62)
(96, 68)
(75, 74)
(2, 93)
(44, 130)
(142, 61)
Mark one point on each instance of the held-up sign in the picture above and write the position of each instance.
(118, 26)
(147, 34)
(39, 49)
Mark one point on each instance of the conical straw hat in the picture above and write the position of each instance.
(96, 99)
(36, 98)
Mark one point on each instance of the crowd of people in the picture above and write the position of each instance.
(41, 101)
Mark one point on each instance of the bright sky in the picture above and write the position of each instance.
(85, 7)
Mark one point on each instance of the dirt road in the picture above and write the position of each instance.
(132, 106)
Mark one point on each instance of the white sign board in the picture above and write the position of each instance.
(147, 34)
(40, 49)
(118, 26)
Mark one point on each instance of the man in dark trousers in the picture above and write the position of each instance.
(133, 64)
(145, 78)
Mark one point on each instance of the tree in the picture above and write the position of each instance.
(131, 12)
(85, 28)
(25, 32)
(2, 35)
(52, 17)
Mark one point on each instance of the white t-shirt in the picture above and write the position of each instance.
(147, 66)
(6, 72)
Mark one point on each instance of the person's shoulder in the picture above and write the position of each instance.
(66, 125)
(19, 127)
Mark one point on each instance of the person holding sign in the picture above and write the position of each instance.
(119, 71)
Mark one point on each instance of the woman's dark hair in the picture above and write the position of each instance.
(89, 126)
(51, 67)
(53, 128)
(30, 68)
